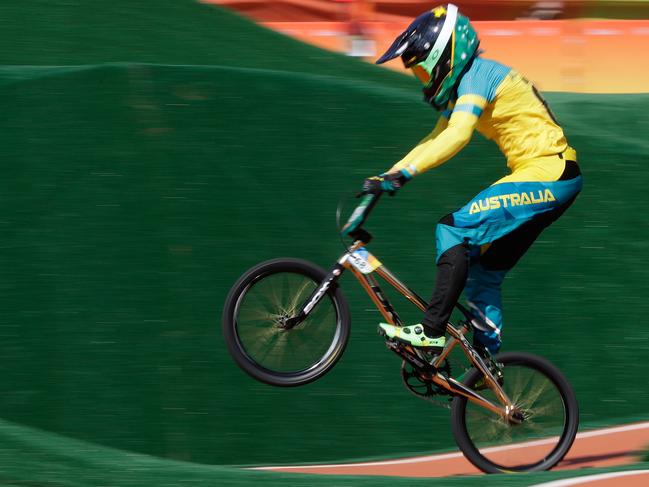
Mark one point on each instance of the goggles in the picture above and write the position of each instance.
(421, 74)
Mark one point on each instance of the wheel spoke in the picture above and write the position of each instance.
(262, 301)
(262, 310)
(538, 399)
(299, 297)
(266, 341)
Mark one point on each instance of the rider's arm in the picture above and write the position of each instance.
(441, 124)
(439, 147)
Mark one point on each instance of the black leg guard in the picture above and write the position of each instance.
(452, 273)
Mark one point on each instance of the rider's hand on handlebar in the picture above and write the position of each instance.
(389, 183)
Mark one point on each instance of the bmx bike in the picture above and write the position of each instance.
(286, 323)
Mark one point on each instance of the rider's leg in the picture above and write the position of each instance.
(483, 296)
(482, 288)
(492, 216)
(486, 274)
(452, 272)
(513, 238)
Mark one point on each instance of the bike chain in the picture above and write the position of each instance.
(413, 375)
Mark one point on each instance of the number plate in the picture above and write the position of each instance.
(365, 262)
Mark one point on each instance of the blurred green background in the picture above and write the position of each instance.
(153, 151)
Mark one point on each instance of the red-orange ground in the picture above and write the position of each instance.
(599, 448)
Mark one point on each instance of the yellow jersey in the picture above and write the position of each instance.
(503, 106)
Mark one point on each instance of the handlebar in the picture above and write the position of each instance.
(360, 214)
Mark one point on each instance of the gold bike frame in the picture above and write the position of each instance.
(370, 284)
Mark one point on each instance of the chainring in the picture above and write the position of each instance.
(421, 386)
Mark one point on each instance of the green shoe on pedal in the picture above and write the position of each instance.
(412, 335)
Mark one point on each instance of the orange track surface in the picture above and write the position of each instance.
(589, 56)
(599, 448)
(317, 10)
(585, 56)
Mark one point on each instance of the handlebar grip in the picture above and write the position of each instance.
(361, 212)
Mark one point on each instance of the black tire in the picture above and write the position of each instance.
(552, 439)
(325, 331)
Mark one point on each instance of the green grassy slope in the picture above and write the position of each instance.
(135, 194)
(184, 32)
(32, 457)
(124, 232)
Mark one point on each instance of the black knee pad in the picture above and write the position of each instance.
(456, 253)
(448, 220)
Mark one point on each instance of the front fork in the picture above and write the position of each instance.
(316, 296)
(327, 283)
(362, 270)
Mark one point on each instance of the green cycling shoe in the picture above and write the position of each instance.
(412, 335)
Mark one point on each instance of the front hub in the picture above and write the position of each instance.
(515, 416)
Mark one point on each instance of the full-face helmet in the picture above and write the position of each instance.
(438, 45)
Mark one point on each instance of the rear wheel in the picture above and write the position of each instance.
(253, 323)
(544, 400)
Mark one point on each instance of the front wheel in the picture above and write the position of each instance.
(544, 400)
(256, 310)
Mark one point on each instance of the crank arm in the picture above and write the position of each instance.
(413, 359)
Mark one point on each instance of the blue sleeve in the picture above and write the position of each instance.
(482, 79)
